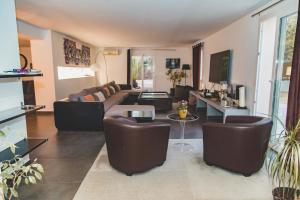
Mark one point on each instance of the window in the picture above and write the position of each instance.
(74, 72)
(288, 26)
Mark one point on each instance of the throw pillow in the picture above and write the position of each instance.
(117, 87)
(88, 98)
(112, 90)
(106, 92)
(100, 96)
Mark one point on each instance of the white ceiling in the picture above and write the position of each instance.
(135, 23)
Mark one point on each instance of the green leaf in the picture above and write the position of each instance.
(26, 181)
(2, 133)
(38, 175)
(19, 179)
(38, 167)
(14, 192)
(32, 179)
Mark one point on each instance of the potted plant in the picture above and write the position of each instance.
(16, 171)
(284, 164)
(182, 109)
(175, 76)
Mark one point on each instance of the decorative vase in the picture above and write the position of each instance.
(182, 113)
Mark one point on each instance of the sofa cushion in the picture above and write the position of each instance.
(112, 90)
(100, 96)
(92, 90)
(77, 96)
(88, 98)
(114, 100)
(116, 87)
(105, 91)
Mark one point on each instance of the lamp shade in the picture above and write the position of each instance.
(186, 67)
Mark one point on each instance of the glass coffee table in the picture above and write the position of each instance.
(140, 116)
(182, 122)
(162, 101)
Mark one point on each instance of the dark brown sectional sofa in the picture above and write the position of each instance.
(74, 114)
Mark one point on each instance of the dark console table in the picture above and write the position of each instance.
(214, 107)
(162, 101)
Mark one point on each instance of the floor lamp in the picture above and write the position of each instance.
(96, 66)
(185, 67)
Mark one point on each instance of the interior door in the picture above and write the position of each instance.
(265, 67)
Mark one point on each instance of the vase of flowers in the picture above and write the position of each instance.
(182, 109)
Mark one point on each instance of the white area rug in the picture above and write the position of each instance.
(184, 176)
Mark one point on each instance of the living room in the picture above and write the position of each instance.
(150, 100)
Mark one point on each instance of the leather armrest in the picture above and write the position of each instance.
(242, 119)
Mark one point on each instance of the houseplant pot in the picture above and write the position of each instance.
(284, 193)
(284, 165)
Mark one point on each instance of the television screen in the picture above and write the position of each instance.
(220, 64)
(173, 63)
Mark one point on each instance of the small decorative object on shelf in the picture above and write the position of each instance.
(182, 109)
(15, 73)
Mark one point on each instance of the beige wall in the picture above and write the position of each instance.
(242, 38)
(42, 59)
(65, 87)
(117, 65)
(47, 55)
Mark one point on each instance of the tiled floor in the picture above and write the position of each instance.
(68, 156)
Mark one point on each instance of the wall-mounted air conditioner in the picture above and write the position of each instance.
(111, 52)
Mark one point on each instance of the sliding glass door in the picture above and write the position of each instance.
(284, 64)
(142, 72)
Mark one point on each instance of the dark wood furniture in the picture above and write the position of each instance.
(182, 92)
(239, 145)
(135, 147)
(162, 101)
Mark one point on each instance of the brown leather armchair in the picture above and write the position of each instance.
(135, 147)
(238, 145)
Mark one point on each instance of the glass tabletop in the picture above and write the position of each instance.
(189, 117)
(148, 95)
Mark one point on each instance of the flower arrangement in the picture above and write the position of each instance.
(175, 76)
(182, 109)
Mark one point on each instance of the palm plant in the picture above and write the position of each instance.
(284, 166)
(16, 171)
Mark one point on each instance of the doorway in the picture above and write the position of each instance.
(265, 69)
(142, 72)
